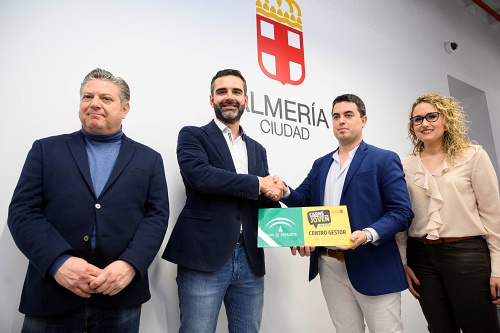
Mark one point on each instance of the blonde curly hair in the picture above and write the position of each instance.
(456, 140)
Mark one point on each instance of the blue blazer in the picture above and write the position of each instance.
(218, 201)
(376, 196)
(54, 208)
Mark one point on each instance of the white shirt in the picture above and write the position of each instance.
(336, 178)
(237, 148)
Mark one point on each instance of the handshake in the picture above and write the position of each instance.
(272, 187)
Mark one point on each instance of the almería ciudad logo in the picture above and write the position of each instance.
(280, 49)
(280, 41)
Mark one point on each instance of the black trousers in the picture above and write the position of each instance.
(454, 285)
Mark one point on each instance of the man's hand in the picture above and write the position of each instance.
(272, 187)
(358, 237)
(76, 274)
(281, 184)
(302, 250)
(114, 278)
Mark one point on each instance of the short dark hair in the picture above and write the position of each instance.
(101, 74)
(227, 72)
(351, 98)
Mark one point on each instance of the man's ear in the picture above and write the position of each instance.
(125, 110)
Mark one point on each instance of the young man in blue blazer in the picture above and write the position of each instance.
(214, 242)
(362, 282)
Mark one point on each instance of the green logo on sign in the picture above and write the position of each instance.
(280, 227)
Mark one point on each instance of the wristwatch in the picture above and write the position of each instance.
(369, 237)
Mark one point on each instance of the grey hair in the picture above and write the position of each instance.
(101, 74)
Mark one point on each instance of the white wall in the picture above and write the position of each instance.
(388, 52)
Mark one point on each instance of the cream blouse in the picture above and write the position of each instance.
(457, 200)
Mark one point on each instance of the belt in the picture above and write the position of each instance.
(442, 240)
(334, 253)
(241, 240)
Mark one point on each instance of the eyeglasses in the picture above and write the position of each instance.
(430, 117)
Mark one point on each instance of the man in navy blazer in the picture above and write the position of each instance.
(214, 242)
(363, 281)
(90, 212)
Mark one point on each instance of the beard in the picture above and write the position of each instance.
(229, 116)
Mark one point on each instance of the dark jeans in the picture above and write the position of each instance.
(91, 319)
(454, 285)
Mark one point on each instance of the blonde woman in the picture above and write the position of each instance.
(453, 244)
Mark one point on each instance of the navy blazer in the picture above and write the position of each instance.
(218, 201)
(376, 196)
(54, 208)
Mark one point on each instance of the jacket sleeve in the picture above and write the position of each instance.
(206, 173)
(37, 239)
(396, 200)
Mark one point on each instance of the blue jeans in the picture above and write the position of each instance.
(201, 295)
(454, 285)
(90, 318)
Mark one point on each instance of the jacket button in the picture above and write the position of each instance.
(98, 206)
(86, 238)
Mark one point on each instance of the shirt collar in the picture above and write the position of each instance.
(224, 129)
(335, 155)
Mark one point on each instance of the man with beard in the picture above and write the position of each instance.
(214, 242)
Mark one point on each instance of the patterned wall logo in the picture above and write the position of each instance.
(280, 44)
